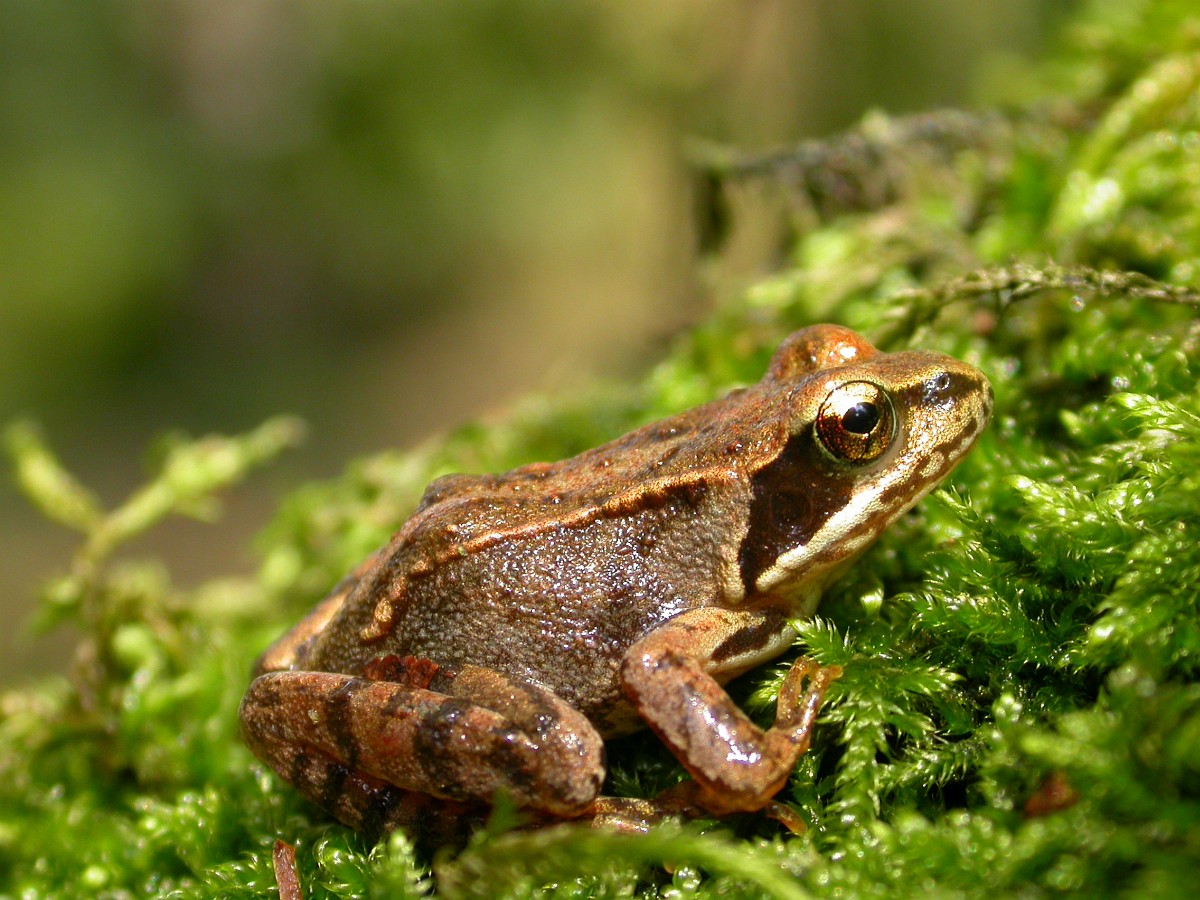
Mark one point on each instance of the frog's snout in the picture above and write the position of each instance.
(955, 406)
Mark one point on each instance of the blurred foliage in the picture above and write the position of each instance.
(1020, 706)
(306, 169)
(194, 193)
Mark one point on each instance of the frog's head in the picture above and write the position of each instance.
(868, 434)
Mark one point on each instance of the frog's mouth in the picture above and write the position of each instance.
(946, 409)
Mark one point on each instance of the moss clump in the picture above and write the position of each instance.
(1020, 710)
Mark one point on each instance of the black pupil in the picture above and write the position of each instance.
(861, 418)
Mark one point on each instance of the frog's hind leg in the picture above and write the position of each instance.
(463, 735)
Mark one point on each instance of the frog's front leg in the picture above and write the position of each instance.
(457, 734)
(673, 677)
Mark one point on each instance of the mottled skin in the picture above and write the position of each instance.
(517, 620)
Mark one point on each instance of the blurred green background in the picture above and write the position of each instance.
(385, 217)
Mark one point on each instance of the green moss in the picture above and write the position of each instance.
(1020, 710)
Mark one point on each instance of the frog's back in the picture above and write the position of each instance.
(609, 480)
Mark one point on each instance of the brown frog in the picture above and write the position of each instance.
(517, 620)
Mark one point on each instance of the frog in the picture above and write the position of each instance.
(517, 622)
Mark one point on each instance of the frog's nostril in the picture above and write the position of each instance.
(939, 383)
(938, 389)
(953, 387)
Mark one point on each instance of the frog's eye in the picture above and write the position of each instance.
(856, 423)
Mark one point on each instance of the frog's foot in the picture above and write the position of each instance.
(682, 802)
(633, 814)
(376, 752)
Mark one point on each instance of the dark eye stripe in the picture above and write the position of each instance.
(792, 497)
